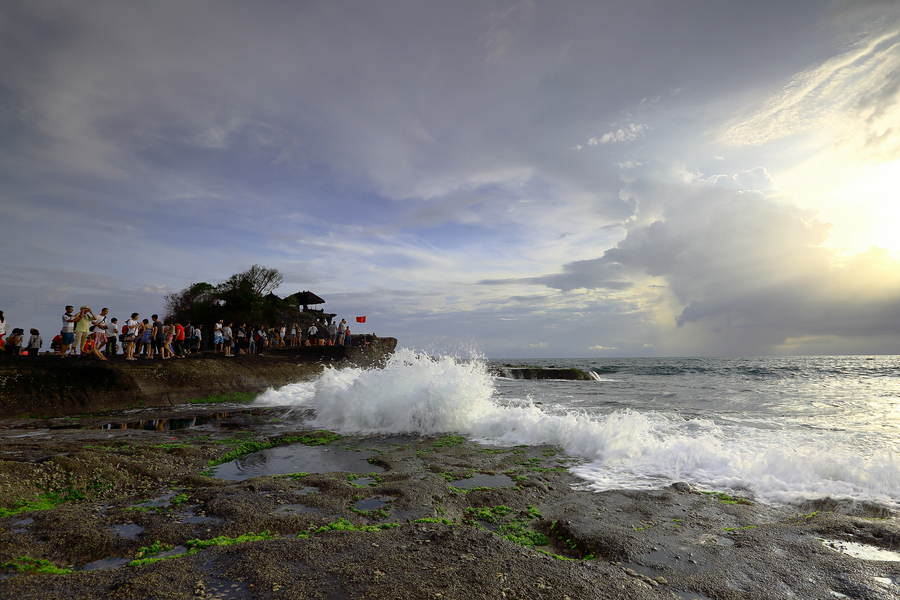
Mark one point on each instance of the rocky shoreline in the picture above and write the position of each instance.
(99, 507)
(48, 386)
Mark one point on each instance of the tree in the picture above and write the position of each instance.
(240, 298)
(261, 281)
(183, 302)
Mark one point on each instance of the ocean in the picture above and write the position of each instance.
(783, 430)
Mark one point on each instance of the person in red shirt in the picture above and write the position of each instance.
(179, 340)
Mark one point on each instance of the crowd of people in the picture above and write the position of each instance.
(85, 333)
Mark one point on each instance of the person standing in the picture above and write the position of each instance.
(2, 329)
(260, 340)
(179, 340)
(13, 345)
(34, 343)
(332, 332)
(226, 339)
(188, 337)
(68, 330)
(242, 339)
(146, 338)
(313, 334)
(198, 338)
(218, 338)
(131, 332)
(342, 326)
(157, 338)
(83, 328)
(99, 326)
(347, 339)
(112, 337)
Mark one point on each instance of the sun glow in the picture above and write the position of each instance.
(866, 210)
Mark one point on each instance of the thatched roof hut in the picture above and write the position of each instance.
(304, 299)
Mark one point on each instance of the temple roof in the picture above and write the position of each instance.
(306, 298)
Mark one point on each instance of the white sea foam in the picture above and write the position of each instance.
(415, 393)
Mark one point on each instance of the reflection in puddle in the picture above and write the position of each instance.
(296, 458)
(163, 500)
(863, 551)
(129, 530)
(373, 503)
(169, 424)
(484, 480)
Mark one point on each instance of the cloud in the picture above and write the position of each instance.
(627, 134)
(745, 262)
(853, 97)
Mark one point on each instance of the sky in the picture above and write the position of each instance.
(509, 178)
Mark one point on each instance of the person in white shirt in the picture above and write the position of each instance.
(131, 331)
(112, 337)
(68, 330)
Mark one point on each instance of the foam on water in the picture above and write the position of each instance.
(415, 393)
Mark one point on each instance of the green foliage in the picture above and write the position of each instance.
(450, 441)
(345, 525)
(26, 564)
(61, 489)
(146, 556)
(197, 545)
(726, 499)
(489, 514)
(516, 532)
(378, 514)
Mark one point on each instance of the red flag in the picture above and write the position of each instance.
(360, 319)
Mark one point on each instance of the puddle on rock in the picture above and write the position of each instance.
(19, 526)
(373, 503)
(127, 531)
(103, 564)
(484, 480)
(296, 458)
(863, 551)
(159, 502)
(293, 509)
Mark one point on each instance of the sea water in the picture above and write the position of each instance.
(782, 430)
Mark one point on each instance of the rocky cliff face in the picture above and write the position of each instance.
(49, 386)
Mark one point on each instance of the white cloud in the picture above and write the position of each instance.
(853, 99)
(626, 134)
